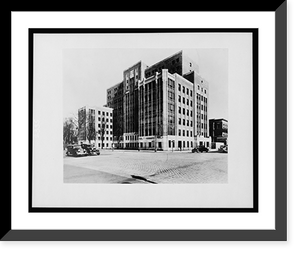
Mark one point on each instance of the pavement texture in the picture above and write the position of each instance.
(147, 167)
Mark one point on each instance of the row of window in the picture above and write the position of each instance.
(107, 126)
(131, 138)
(185, 132)
(185, 111)
(103, 113)
(107, 133)
(202, 107)
(183, 100)
(103, 119)
(185, 90)
(201, 97)
(184, 121)
(107, 138)
(104, 144)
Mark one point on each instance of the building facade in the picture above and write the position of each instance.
(165, 106)
(95, 126)
(218, 130)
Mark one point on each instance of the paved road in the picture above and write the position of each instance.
(147, 167)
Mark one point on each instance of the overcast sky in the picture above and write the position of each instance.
(88, 72)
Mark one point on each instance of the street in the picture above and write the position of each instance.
(147, 167)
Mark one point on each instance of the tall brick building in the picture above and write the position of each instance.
(165, 106)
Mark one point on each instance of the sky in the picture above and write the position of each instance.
(88, 72)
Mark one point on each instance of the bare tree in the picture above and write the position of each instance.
(69, 131)
(102, 133)
(86, 125)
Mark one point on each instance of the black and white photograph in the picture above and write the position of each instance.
(145, 116)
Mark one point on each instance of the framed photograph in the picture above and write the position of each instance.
(129, 127)
(160, 136)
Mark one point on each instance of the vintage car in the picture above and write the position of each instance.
(223, 149)
(76, 150)
(200, 149)
(90, 149)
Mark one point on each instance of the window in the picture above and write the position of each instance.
(110, 114)
(179, 87)
(187, 101)
(191, 93)
(179, 110)
(103, 113)
(179, 132)
(187, 112)
(187, 122)
(187, 133)
(179, 120)
(191, 113)
(183, 89)
(179, 98)
(187, 91)
(183, 121)
(183, 133)
(191, 136)
(183, 100)
(191, 123)
(191, 102)
(99, 112)
(183, 111)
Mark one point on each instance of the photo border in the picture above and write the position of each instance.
(254, 33)
(278, 234)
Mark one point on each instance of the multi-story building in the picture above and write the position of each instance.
(95, 126)
(115, 100)
(165, 106)
(218, 130)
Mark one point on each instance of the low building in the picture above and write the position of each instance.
(218, 130)
(95, 126)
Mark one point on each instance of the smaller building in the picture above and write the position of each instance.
(95, 126)
(218, 130)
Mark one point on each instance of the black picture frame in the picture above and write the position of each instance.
(278, 234)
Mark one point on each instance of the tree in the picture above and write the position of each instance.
(102, 133)
(69, 131)
(86, 124)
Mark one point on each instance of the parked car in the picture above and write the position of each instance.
(76, 150)
(91, 150)
(200, 149)
(223, 149)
